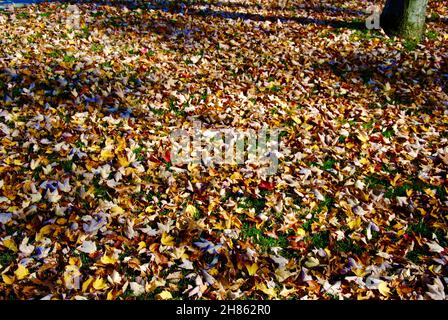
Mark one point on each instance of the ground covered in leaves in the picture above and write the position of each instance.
(92, 206)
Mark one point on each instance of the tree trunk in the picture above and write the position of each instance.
(405, 18)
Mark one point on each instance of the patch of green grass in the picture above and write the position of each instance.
(150, 53)
(276, 88)
(99, 190)
(106, 65)
(415, 255)
(388, 133)
(321, 239)
(79, 144)
(420, 228)
(159, 112)
(250, 202)
(97, 14)
(366, 75)
(327, 203)
(348, 246)
(97, 47)
(368, 125)
(69, 58)
(85, 260)
(328, 164)
(176, 110)
(44, 14)
(388, 169)
(67, 165)
(364, 34)
(259, 238)
(307, 225)
(398, 191)
(23, 15)
(55, 53)
(139, 153)
(37, 171)
(410, 45)
(432, 35)
(374, 181)
(6, 258)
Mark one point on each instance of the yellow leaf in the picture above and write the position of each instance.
(296, 119)
(106, 155)
(301, 232)
(359, 272)
(21, 272)
(165, 295)
(100, 284)
(43, 232)
(236, 176)
(355, 223)
(116, 210)
(190, 210)
(384, 289)
(167, 240)
(110, 295)
(141, 245)
(363, 137)
(312, 262)
(121, 144)
(74, 261)
(7, 279)
(430, 192)
(269, 291)
(363, 161)
(86, 284)
(252, 269)
(123, 161)
(107, 260)
(10, 244)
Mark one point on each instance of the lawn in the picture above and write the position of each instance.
(94, 206)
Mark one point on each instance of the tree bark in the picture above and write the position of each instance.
(405, 18)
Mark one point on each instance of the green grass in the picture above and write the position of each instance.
(259, 238)
(55, 53)
(106, 65)
(307, 225)
(22, 15)
(100, 191)
(364, 34)
(6, 258)
(416, 255)
(432, 35)
(368, 125)
(374, 181)
(67, 165)
(410, 45)
(388, 133)
(97, 14)
(321, 239)
(328, 164)
(348, 246)
(257, 203)
(69, 58)
(276, 88)
(420, 228)
(97, 47)
(139, 152)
